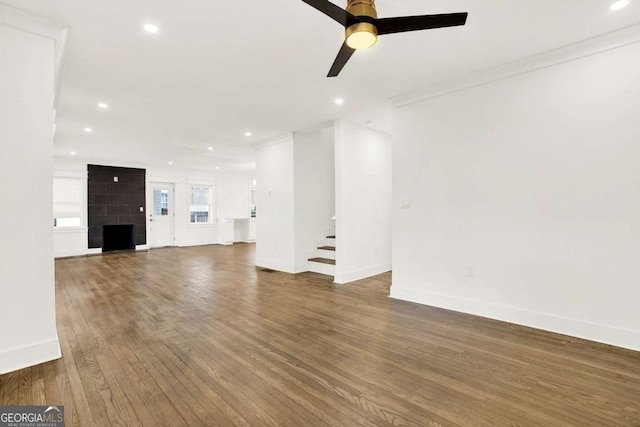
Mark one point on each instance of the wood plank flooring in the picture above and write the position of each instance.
(200, 337)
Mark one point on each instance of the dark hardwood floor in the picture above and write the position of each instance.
(199, 336)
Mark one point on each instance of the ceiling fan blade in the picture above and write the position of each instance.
(424, 22)
(332, 11)
(341, 60)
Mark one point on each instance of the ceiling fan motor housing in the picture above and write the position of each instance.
(362, 35)
(362, 8)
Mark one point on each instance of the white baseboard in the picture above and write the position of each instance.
(69, 254)
(275, 265)
(352, 276)
(191, 245)
(23, 357)
(577, 328)
(300, 267)
(92, 251)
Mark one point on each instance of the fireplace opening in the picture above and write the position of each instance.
(118, 237)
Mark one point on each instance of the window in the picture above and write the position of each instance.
(67, 202)
(252, 202)
(200, 211)
(161, 202)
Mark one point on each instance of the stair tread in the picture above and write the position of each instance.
(327, 248)
(323, 260)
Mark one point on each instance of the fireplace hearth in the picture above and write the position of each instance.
(118, 237)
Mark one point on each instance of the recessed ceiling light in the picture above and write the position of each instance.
(339, 101)
(210, 148)
(247, 134)
(88, 130)
(620, 4)
(73, 153)
(169, 163)
(103, 105)
(217, 167)
(150, 28)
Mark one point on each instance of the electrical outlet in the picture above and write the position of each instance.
(471, 272)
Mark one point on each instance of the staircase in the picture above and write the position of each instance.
(324, 259)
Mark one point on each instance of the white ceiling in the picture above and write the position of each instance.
(219, 68)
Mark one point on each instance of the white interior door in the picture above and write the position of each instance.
(161, 215)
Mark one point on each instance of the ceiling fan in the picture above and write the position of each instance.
(363, 27)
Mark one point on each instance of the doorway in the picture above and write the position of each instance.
(161, 215)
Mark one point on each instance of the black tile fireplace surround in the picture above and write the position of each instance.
(116, 197)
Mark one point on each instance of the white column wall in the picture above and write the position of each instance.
(274, 198)
(28, 334)
(363, 202)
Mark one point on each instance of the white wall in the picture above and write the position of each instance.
(28, 334)
(525, 199)
(275, 209)
(314, 191)
(69, 242)
(233, 196)
(363, 202)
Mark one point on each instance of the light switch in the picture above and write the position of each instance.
(405, 204)
(115, 179)
(141, 209)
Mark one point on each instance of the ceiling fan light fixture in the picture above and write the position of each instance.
(362, 35)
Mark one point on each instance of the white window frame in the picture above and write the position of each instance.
(253, 197)
(211, 216)
(81, 178)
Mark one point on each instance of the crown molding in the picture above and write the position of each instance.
(42, 27)
(275, 140)
(315, 129)
(361, 126)
(608, 41)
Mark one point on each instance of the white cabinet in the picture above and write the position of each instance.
(244, 230)
(226, 231)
